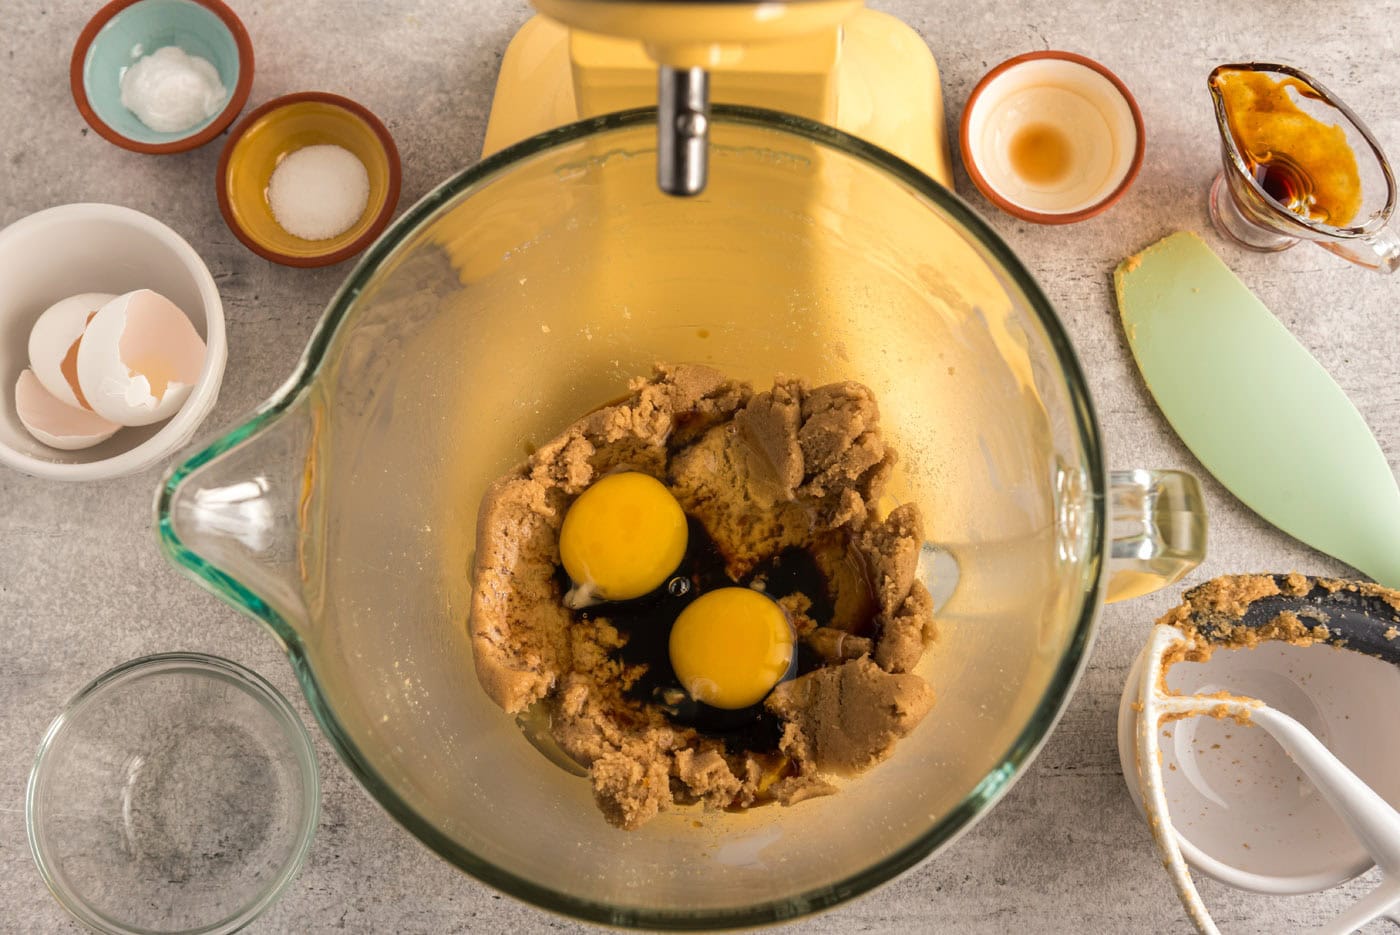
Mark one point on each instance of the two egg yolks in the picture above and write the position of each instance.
(622, 538)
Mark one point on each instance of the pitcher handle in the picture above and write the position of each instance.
(238, 516)
(1157, 526)
(1380, 251)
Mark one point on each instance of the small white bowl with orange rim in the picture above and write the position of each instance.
(1052, 137)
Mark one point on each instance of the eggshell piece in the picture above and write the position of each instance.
(54, 422)
(139, 358)
(69, 368)
(55, 335)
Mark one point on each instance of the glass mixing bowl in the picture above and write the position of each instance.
(525, 292)
(174, 794)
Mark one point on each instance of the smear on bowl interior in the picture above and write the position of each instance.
(695, 585)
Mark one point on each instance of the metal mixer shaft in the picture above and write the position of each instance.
(683, 129)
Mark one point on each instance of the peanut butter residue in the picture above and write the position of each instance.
(1211, 616)
(1303, 163)
(1364, 588)
(1221, 712)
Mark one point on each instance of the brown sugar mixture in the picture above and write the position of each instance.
(1304, 164)
(780, 491)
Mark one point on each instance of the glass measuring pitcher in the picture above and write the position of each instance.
(526, 291)
(1244, 207)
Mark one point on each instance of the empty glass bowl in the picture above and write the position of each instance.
(176, 793)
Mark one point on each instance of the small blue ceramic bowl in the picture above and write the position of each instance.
(123, 31)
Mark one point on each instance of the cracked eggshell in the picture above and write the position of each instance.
(139, 359)
(54, 337)
(54, 422)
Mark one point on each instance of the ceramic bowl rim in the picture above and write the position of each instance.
(970, 156)
(345, 251)
(241, 89)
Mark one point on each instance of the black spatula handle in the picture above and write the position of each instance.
(1358, 615)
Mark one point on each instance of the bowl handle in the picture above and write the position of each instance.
(242, 517)
(1158, 530)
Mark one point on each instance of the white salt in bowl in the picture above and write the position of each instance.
(75, 248)
(274, 131)
(1052, 137)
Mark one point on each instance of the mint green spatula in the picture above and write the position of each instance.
(1255, 407)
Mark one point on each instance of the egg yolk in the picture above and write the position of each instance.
(730, 647)
(621, 539)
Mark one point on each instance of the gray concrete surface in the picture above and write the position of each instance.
(83, 588)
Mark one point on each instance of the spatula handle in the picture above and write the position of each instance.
(1358, 615)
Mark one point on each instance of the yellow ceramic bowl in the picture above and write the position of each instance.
(282, 126)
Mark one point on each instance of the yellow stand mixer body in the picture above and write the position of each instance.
(832, 61)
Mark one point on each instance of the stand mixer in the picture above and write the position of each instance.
(832, 61)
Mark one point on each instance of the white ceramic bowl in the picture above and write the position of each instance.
(1243, 812)
(1040, 98)
(75, 248)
